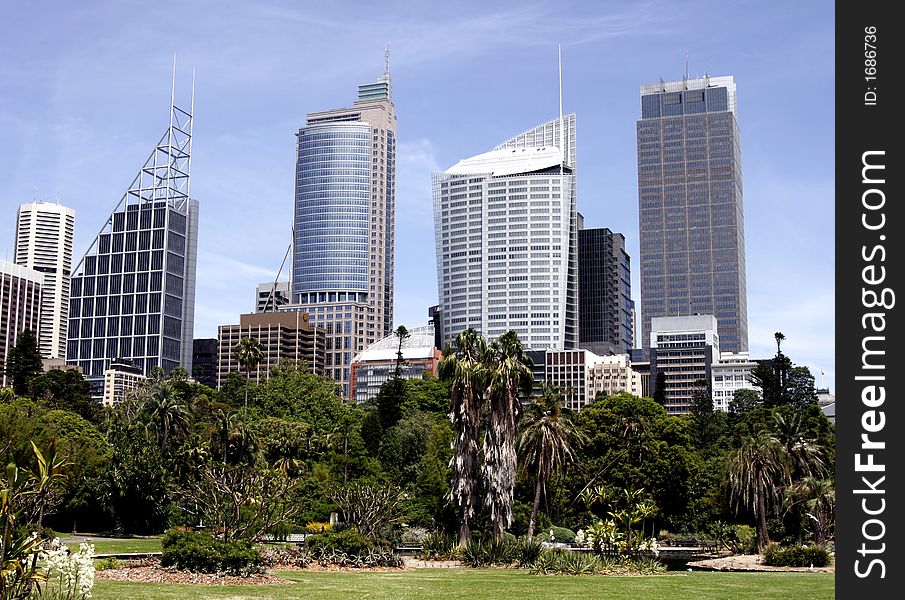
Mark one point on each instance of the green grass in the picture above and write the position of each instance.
(118, 545)
(496, 584)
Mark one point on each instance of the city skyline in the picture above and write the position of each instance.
(67, 86)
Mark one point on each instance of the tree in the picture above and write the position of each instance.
(545, 444)
(165, 414)
(464, 365)
(756, 472)
(401, 334)
(65, 389)
(509, 373)
(804, 455)
(249, 354)
(23, 361)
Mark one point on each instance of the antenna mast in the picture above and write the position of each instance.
(562, 143)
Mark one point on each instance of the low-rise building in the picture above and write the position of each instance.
(684, 349)
(731, 373)
(376, 364)
(120, 378)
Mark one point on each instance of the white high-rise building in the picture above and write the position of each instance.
(44, 233)
(506, 230)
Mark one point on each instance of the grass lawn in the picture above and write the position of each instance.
(497, 584)
(119, 545)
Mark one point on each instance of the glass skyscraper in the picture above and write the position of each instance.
(691, 211)
(605, 292)
(506, 230)
(343, 244)
(133, 293)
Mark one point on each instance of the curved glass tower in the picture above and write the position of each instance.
(345, 189)
(332, 210)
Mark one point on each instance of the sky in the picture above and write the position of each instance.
(85, 94)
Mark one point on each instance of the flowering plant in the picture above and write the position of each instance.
(70, 575)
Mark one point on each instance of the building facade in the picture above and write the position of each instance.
(120, 378)
(605, 305)
(613, 374)
(44, 233)
(272, 295)
(684, 349)
(692, 226)
(133, 293)
(20, 307)
(204, 361)
(506, 231)
(283, 336)
(731, 373)
(581, 375)
(344, 224)
(377, 363)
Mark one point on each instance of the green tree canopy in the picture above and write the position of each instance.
(23, 362)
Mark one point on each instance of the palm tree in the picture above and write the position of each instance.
(546, 443)
(249, 354)
(464, 365)
(756, 472)
(779, 337)
(165, 413)
(820, 501)
(509, 373)
(805, 456)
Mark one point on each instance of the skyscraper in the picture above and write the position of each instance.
(506, 230)
(605, 292)
(20, 307)
(691, 212)
(133, 293)
(345, 203)
(44, 233)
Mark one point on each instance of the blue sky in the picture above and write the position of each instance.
(85, 89)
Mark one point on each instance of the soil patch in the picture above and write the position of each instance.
(750, 562)
(158, 574)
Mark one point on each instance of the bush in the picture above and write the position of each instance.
(439, 546)
(558, 535)
(796, 556)
(487, 553)
(744, 535)
(103, 564)
(349, 542)
(287, 556)
(318, 527)
(564, 562)
(201, 553)
(528, 552)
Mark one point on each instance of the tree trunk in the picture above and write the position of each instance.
(464, 533)
(532, 523)
(763, 536)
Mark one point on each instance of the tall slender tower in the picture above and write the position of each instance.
(44, 232)
(133, 293)
(506, 230)
(344, 224)
(691, 212)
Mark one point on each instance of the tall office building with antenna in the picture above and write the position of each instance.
(692, 224)
(133, 293)
(506, 231)
(344, 224)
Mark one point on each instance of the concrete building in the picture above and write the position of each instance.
(605, 304)
(133, 293)
(20, 307)
(44, 233)
(204, 361)
(731, 373)
(692, 224)
(376, 365)
(344, 224)
(282, 335)
(120, 378)
(581, 375)
(506, 231)
(272, 295)
(684, 349)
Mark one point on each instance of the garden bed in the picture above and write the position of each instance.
(751, 563)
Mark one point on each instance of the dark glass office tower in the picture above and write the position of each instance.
(605, 303)
(691, 211)
(133, 294)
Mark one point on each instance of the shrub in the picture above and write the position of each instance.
(558, 535)
(438, 546)
(414, 535)
(490, 552)
(104, 564)
(528, 552)
(202, 553)
(318, 527)
(744, 535)
(349, 542)
(287, 556)
(795, 556)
